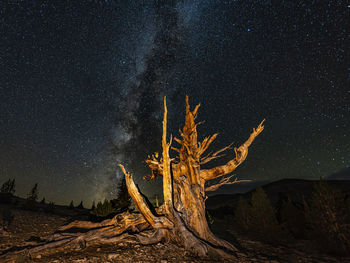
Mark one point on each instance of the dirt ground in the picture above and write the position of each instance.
(28, 225)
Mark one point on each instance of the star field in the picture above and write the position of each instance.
(81, 85)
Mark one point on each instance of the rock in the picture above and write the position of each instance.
(164, 261)
(112, 256)
(38, 257)
(98, 249)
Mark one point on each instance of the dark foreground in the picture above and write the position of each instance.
(28, 225)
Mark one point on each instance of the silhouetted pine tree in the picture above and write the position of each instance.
(7, 191)
(80, 206)
(262, 214)
(123, 200)
(71, 205)
(31, 202)
(258, 218)
(292, 219)
(50, 207)
(242, 214)
(33, 194)
(93, 205)
(8, 187)
(103, 209)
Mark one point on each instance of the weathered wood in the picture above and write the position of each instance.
(167, 184)
(224, 181)
(241, 155)
(154, 221)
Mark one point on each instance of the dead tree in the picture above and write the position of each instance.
(181, 218)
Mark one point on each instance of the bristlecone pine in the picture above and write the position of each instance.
(181, 218)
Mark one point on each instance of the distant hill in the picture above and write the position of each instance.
(341, 175)
(296, 189)
(16, 202)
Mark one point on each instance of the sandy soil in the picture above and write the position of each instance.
(28, 225)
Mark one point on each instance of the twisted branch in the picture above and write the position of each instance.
(241, 155)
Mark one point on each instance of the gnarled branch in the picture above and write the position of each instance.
(223, 181)
(241, 155)
(154, 221)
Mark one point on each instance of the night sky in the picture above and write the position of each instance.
(82, 82)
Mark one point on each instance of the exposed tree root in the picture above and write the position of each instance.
(123, 228)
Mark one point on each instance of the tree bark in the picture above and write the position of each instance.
(182, 216)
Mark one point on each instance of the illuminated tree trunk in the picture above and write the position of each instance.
(181, 218)
(184, 182)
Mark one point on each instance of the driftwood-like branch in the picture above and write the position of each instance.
(241, 155)
(154, 221)
(223, 181)
(109, 231)
(137, 197)
(89, 225)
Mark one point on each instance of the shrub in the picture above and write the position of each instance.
(258, 218)
(327, 216)
(50, 207)
(292, 219)
(210, 219)
(30, 205)
(103, 209)
(263, 219)
(242, 214)
(31, 202)
(223, 212)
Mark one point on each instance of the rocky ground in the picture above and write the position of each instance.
(27, 225)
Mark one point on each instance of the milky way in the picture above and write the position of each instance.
(138, 115)
(82, 82)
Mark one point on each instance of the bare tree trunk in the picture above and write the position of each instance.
(182, 216)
